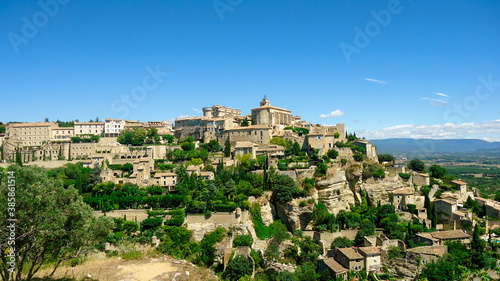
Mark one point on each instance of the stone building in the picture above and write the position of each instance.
(88, 128)
(492, 209)
(210, 126)
(166, 179)
(403, 197)
(350, 258)
(259, 134)
(62, 133)
(266, 114)
(440, 237)
(21, 136)
(421, 179)
(428, 253)
(370, 150)
(335, 269)
(372, 257)
(113, 127)
(324, 137)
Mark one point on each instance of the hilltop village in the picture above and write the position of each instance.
(268, 192)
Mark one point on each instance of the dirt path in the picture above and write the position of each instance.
(147, 269)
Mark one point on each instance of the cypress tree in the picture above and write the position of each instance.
(227, 148)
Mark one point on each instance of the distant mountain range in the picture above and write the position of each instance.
(432, 146)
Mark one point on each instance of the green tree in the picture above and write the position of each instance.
(227, 148)
(238, 267)
(321, 169)
(278, 141)
(332, 153)
(53, 223)
(385, 158)
(139, 137)
(126, 136)
(477, 245)
(341, 242)
(416, 165)
(358, 157)
(437, 171)
(243, 240)
(244, 123)
(169, 138)
(187, 146)
(19, 158)
(127, 167)
(366, 228)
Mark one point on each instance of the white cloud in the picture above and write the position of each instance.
(436, 102)
(487, 130)
(335, 113)
(376, 81)
(197, 110)
(441, 94)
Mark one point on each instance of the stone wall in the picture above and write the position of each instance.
(130, 214)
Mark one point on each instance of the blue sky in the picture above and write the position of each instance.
(422, 69)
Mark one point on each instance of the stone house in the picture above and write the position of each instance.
(113, 127)
(245, 147)
(421, 179)
(428, 254)
(438, 238)
(62, 134)
(403, 197)
(372, 257)
(88, 128)
(492, 209)
(370, 150)
(166, 179)
(336, 270)
(259, 134)
(350, 258)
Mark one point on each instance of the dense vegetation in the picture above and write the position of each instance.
(485, 178)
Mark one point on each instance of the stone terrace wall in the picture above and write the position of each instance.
(131, 214)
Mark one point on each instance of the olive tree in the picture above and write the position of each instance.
(50, 223)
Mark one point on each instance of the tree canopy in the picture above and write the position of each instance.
(416, 165)
(53, 223)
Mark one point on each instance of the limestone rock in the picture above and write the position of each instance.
(293, 216)
(268, 213)
(335, 192)
(379, 189)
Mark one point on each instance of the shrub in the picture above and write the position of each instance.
(237, 268)
(302, 204)
(150, 223)
(358, 157)
(243, 240)
(332, 153)
(341, 242)
(411, 208)
(405, 176)
(321, 169)
(394, 252)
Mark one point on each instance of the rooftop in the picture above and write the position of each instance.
(450, 234)
(403, 191)
(335, 266)
(439, 250)
(350, 253)
(369, 250)
(458, 182)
